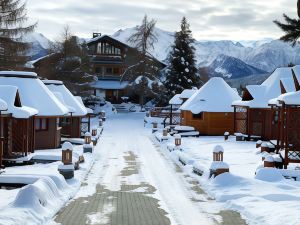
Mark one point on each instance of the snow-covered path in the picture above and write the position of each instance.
(127, 161)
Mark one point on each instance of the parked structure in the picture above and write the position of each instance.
(71, 123)
(209, 109)
(110, 59)
(253, 116)
(34, 94)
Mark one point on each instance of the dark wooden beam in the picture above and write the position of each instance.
(282, 88)
(296, 82)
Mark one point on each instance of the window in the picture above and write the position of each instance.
(98, 70)
(65, 121)
(108, 49)
(198, 116)
(116, 70)
(41, 124)
(109, 70)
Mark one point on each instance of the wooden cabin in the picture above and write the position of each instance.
(17, 125)
(288, 107)
(34, 94)
(110, 58)
(209, 110)
(253, 116)
(71, 123)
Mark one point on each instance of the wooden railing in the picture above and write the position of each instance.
(170, 117)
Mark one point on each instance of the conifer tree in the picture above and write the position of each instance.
(182, 73)
(291, 27)
(13, 18)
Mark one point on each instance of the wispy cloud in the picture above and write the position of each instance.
(218, 19)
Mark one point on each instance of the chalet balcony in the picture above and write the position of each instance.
(107, 59)
(109, 77)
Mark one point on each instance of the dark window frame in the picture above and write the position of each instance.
(39, 124)
(198, 116)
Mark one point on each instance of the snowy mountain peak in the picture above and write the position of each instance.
(37, 38)
(231, 67)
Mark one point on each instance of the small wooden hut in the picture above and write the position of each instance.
(288, 105)
(34, 94)
(71, 123)
(253, 116)
(209, 109)
(17, 125)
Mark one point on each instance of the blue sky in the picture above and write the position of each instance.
(209, 19)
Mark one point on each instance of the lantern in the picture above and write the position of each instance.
(87, 138)
(67, 150)
(94, 132)
(102, 115)
(226, 135)
(269, 162)
(218, 153)
(264, 147)
(258, 144)
(165, 132)
(100, 122)
(177, 139)
(154, 125)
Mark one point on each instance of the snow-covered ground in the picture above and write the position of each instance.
(125, 136)
(47, 191)
(264, 198)
(259, 201)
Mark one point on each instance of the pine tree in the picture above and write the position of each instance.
(291, 27)
(143, 75)
(182, 73)
(13, 18)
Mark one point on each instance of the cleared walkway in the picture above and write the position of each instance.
(132, 183)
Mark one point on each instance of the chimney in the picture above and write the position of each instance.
(96, 35)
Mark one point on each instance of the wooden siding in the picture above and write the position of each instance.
(50, 138)
(72, 130)
(257, 122)
(18, 136)
(211, 123)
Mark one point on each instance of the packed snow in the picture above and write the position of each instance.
(261, 195)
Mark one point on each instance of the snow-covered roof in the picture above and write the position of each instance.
(291, 98)
(215, 96)
(269, 89)
(3, 105)
(110, 84)
(17, 73)
(34, 94)
(187, 93)
(176, 100)
(100, 37)
(79, 99)
(66, 97)
(8, 95)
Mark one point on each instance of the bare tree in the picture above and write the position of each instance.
(143, 74)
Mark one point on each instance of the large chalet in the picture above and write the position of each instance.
(110, 58)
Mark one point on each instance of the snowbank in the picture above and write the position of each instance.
(255, 196)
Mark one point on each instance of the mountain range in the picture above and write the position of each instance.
(229, 59)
